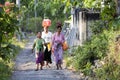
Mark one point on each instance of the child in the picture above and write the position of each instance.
(38, 46)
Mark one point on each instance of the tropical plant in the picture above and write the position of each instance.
(8, 26)
(52, 9)
(101, 46)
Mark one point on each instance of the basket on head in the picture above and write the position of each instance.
(46, 22)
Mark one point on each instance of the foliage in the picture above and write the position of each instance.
(99, 47)
(110, 69)
(104, 32)
(29, 25)
(5, 70)
(72, 3)
(8, 26)
(68, 58)
(115, 24)
(97, 27)
(94, 49)
(109, 10)
(52, 9)
(6, 66)
(92, 3)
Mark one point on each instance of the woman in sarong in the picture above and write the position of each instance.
(57, 41)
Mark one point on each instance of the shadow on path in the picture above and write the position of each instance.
(25, 66)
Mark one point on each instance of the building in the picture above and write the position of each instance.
(78, 29)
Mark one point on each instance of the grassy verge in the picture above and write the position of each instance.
(6, 66)
(5, 70)
(68, 59)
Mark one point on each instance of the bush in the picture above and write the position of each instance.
(6, 61)
(94, 49)
(102, 47)
(111, 67)
(5, 69)
(109, 71)
(8, 26)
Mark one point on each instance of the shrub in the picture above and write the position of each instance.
(8, 22)
(111, 67)
(5, 70)
(102, 47)
(94, 49)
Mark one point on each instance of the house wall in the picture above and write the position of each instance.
(79, 27)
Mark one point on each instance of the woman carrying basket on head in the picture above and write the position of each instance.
(47, 36)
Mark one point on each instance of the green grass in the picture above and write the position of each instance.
(68, 59)
(6, 67)
(20, 44)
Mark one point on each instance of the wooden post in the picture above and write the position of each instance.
(82, 27)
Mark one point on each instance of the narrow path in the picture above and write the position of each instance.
(25, 66)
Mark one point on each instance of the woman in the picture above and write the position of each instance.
(57, 41)
(47, 36)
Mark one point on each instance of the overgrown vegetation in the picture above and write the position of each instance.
(8, 46)
(8, 27)
(6, 64)
(5, 70)
(100, 48)
(52, 9)
(97, 57)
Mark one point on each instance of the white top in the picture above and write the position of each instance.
(47, 36)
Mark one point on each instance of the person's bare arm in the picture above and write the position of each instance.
(33, 47)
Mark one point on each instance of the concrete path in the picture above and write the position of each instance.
(25, 68)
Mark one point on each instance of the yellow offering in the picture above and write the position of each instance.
(49, 46)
